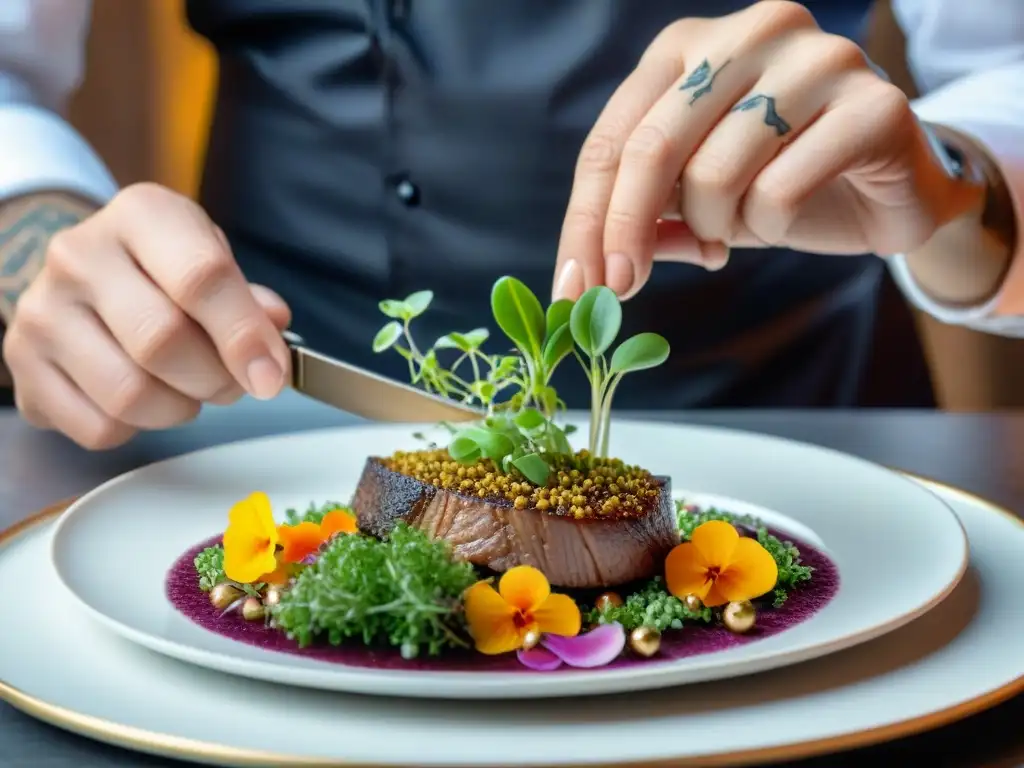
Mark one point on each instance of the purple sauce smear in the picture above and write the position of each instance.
(806, 600)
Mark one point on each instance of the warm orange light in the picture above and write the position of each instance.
(185, 70)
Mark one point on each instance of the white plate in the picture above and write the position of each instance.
(960, 658)
(898, 547)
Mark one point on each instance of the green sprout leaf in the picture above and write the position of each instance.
(484, 390)
(637, 353)
(387, 336)
(557, 347)
(397, 310)
(533, 467)
(465, 342)
(530, 419)
(493, 444)
(464, 450)
(595, 320)
(503, 368)
(519, 314)
(558, 315)
(417, 303)
(477, 337)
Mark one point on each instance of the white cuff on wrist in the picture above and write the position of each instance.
(980, 317)
(42, 152)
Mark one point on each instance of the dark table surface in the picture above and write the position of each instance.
(980, 453)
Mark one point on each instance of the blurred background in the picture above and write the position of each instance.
(145, 105)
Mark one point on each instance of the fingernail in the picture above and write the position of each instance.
(716, 256)
(569, 284)
(619, 274)
(265, 378)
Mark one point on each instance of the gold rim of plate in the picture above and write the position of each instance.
(166, 745)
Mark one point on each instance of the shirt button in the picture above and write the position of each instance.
(407, 192)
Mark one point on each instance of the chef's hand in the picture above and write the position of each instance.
(139, 315)
(752, 130)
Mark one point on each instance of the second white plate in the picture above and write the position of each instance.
(899, 550)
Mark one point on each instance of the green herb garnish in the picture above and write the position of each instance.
(595, 321)
(404, 591)
(650, 606)
(210, 567)
(518, 431)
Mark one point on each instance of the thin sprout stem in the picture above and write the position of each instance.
(595, 403)
(583, 364)
(606, 414)
(412, 344)
(458, 361)
(407, 354)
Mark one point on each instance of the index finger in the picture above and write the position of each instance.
(194, 267)
(581, 259)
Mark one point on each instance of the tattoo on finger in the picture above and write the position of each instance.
(771, 116)
(701, 79)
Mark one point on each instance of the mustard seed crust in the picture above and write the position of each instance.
(580, 486)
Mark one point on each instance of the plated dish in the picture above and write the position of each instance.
(472, 560)
(65, 668)
(405, 602)
(504, 540)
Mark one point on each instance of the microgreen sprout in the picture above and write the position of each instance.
(519, 427)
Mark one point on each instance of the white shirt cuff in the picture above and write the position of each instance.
(981, 317)
(41, 152)
(970, 106)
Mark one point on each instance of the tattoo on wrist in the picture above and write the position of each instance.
(771, 116)
(701, 79)
(26, 226)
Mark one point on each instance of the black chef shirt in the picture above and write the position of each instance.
(366, 149)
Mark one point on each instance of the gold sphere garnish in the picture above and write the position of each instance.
(272, 596)
(739, 617)
(693, 603)
(607, 600)
(645, 641)
(223, 596)
(531, 639)
(252, 609)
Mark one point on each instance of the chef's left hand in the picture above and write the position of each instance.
(755, 129)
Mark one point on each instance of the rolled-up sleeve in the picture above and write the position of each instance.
(968, 60)
(42, 46)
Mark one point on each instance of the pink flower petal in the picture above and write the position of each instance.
(539, 659)
(596, 648)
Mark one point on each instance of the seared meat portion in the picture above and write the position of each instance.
(592, 552)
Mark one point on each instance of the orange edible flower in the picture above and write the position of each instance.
(299, 541)
(279, 576)
(338, 521)
(719, 566)
(499, 619)
(250, 540)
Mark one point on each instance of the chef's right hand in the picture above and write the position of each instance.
(140, 315)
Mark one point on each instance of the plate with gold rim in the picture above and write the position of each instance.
(891, 548)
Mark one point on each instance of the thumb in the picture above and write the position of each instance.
(276, 307)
